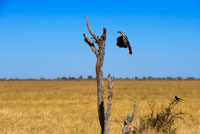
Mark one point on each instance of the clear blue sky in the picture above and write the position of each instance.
(44, 38)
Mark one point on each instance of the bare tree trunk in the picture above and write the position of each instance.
(100, 53)
(100, 84)
(128, 120)
(109, 103)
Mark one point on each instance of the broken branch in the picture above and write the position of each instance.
(91, 44)
(89, 28)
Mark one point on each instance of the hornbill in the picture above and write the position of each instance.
(123, 42)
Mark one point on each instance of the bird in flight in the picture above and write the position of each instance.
(178, 99)
(123, 42)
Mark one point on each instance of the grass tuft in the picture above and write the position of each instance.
(162, 123)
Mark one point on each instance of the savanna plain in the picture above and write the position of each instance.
(70, 107)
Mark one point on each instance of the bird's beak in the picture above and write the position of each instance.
(119, 32)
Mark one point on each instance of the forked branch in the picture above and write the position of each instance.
(128, 120)
(91, 44)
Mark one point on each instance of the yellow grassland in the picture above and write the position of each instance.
(70, 107)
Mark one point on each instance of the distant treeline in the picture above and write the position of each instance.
(90, 77)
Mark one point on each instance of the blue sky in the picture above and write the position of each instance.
(44, 38)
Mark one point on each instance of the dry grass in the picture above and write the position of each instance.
(69, 107)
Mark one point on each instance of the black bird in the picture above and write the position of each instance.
(178, 99)
(123, 42)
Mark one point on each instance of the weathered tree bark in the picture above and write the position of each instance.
(100, 53)
(128, 120)
(109, 103)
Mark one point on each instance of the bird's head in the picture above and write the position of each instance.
(121, 33)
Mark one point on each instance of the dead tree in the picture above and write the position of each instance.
(104, 119)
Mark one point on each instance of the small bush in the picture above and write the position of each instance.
(162, 123)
